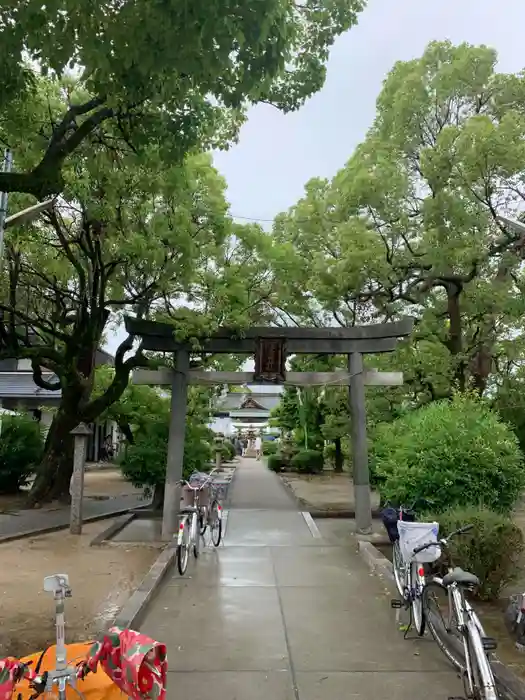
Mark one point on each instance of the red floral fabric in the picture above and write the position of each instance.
(11, 672)
(135, 663)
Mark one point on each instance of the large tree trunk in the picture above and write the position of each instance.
(455, 337)
(54, 474)
(338, 457)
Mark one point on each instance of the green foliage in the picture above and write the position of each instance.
(174, 79)
(510, 404)
(492, 550)
(21, 448)
(409, 226)
(144, 462)
(308, 462)
(276, 463)
(454, 453)
(270, 447)
(228, 451)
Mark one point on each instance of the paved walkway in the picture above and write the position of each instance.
(277, 613)
(24, 521)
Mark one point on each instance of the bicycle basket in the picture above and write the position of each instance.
(414, 535)
(390, 518)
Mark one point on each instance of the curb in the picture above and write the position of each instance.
(134, 608)
(320, 512)
(119, 524)
(56, 528)
(509, 685)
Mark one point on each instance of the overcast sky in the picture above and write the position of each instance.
(277, 154)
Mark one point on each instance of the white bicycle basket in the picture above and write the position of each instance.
(414, 535)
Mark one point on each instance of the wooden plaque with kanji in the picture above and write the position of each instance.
(270, 360)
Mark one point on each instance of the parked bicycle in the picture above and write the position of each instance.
(199, 512)
(459, 634)
(411, 536)
(408, 574)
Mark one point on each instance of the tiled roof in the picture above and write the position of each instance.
(234, 400)
(20, 385)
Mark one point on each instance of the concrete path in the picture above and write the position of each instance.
(25, 521)
(278, 613)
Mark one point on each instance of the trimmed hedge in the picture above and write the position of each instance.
(455, 453)
(21, 449)
(308, 462)
(275, 462)
(491, 550)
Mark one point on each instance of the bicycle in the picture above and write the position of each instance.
(195, 519)
(390, 516)
(468, 653)
(135, 663)
(410, 536)
(211, 516)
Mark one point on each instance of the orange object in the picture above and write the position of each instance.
(96, 685)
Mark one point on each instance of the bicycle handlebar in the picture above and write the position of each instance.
(445, 540)
(184, 482)
(406, 509)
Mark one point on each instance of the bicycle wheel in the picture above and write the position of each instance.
(203, 520)
(483, 685)
(445, 631)
(183, 550)
(399, 568)
(215, 524)
(417, 586)
(196, 535)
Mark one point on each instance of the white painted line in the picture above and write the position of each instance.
(311, 524)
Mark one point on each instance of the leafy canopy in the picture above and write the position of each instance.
(161, 72)
(454, 453)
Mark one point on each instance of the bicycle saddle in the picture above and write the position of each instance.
(463, 578)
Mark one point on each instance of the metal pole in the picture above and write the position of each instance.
(6, 168)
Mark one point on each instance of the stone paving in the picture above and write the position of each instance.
(278, 613)
(26, 521)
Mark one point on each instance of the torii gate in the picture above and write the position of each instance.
(270, 347)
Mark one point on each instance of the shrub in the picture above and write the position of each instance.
(21, 449)
(228, 451)
(308, 462)
(270, 447)
(144, 462)
(491, 550)
(275, 462)
(454, 453)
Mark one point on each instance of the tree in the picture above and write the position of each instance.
(158, 73)
(410, 225)
(136, 408)
(125, 237)
(144, 462)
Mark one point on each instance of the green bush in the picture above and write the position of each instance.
(275, 462)
(308, 462)
(228, 451)
(455, 453)
(270, 447)
(21, 449)
(144, 462)
(491, 550)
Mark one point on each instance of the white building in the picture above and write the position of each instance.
(18, 392)
(246, 410)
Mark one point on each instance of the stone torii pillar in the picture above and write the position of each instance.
(361, 473)
(177, 432)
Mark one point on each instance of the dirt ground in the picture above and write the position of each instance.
(99, 484)
(328, 492)
(101, 579)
